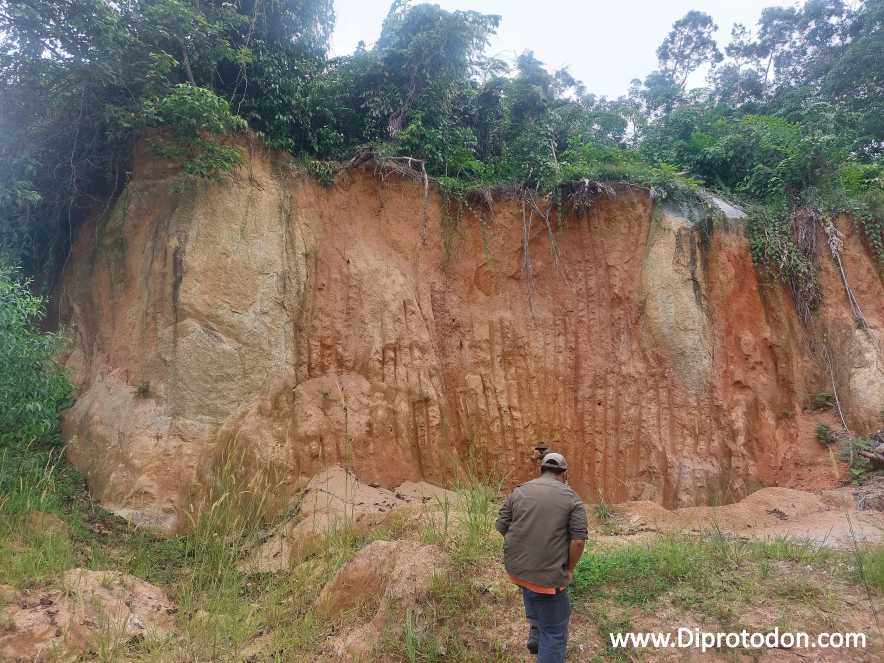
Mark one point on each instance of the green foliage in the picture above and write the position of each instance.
(33, 389)
(197, 117)
(191, 110)
(636, 574)
(789, 122)
(80, 79)
(858, 465)
(604, 512)
(870, 212)
(689, 44)
(870, 567)
(824, 435)
(861, 178)
(34, 481)
(323, 171)
(693, 570)
(775, 248)
(762, 156)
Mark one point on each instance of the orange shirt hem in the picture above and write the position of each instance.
(539, 589)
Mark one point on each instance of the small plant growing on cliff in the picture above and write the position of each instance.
(824, 435)
(197, 117)
(783, 245)
(607, 522)
(603, 511)
(858, 464)
(323, 171)
(823, 401)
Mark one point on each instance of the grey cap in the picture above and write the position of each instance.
(554, 461)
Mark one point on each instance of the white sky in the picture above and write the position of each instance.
(604, 43)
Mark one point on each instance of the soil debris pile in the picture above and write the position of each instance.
(385, 579)
(336, 498)
(96, 610)
(832, 518)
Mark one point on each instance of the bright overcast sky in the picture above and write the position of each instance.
(604, 43)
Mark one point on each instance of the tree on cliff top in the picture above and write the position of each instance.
(793, 113)
(76, 75)
(688, 45)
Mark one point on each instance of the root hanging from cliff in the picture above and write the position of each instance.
(804, 289)
(406, 167)
(530, 208)
(836, 246)
(584, 192)
(827, 358)
(526, 258)
(544, 215)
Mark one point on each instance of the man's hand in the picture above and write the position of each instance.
(575, 551)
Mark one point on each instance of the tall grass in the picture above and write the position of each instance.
(212, 589)
(33, 482)
(705, 565)
(479, 485)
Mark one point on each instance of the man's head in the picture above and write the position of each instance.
(540, 450)
(554, 465)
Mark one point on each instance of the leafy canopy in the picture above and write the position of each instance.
(791, 113)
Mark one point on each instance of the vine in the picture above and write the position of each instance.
(786, 248)
(873, 230)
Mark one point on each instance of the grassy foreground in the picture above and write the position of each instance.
(48, 524)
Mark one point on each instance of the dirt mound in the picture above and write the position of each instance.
(96, 610)
(334, 498)
(382, 581)
(830, 517)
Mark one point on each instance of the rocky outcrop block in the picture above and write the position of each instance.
(361, 325)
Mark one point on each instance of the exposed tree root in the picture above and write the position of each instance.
(526, 259)
(583, 193)
(836, 246)
(407, 167)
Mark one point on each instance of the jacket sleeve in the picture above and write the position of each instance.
(505, 517)
(577, 527)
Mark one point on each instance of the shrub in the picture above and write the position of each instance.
(850, 451)
(191, 110)
(196, 116)
(824, 435)
(33, 388)
(869, 568)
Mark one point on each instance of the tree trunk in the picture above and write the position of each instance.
(185, 60)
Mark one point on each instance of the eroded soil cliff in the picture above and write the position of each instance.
(357, 325)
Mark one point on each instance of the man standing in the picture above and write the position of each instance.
(544, 525)
(540, 450)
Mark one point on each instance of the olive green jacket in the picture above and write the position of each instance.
(539, 520)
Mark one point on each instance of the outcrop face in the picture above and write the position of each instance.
(360, 325)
